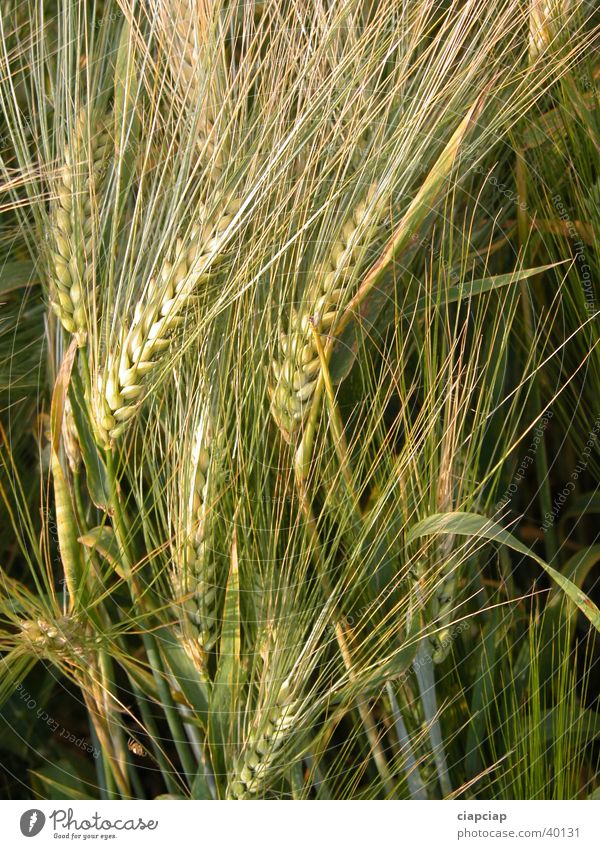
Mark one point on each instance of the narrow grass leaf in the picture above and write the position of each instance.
(473, 525)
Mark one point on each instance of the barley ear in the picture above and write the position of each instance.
(194, 576)
(73, 224)
(253, 767)
(64, 638)
(297, 365)
(546, 18)
(190, 39)
(122, 385)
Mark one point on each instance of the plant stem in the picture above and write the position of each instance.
(78, 499)
(416, 785)
(426, 681)
(152, 652)
(102, 767)
(173, 719)
(341, 635)
(166, 768)
(120, 525)
(115, 729)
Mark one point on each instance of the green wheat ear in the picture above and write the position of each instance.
(64, 637)
(194, 575)
(190, 39)
(74, 223)
(297, 366)
(252, 768)
(546, 19)
(122, 384)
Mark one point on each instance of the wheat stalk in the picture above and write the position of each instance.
(122, 386)
(253, 767)
(297, 367)
(73, 224)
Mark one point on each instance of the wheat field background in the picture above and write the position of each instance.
(299, 399)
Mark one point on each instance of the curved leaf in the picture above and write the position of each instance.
(350, 339)
(474, 525)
